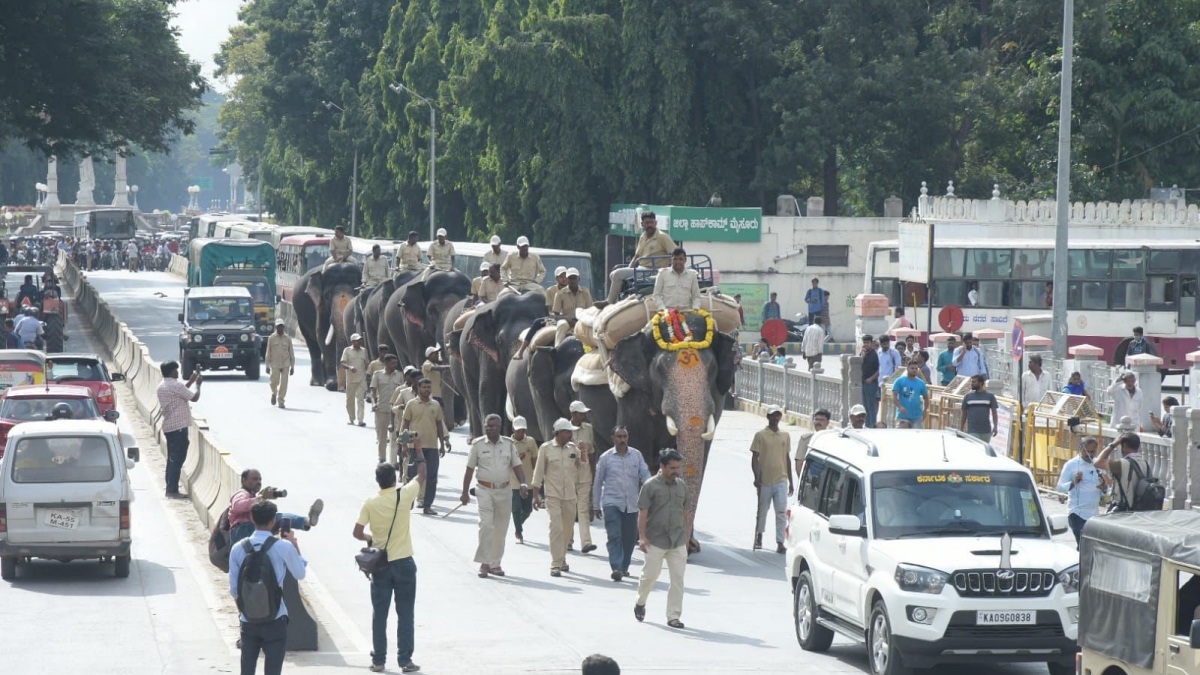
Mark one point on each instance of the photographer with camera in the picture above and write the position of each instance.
(252, 492)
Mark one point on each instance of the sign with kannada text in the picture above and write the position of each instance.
(754, 296)
(690, 223)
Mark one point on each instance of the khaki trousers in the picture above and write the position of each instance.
(356, 400)
(279, 382)
(495, 510)
(676, 562)
(583, 511)
(562, 516)
(387, 451)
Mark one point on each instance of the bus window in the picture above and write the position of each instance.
(315, 255)
(946, 292)
(993, 294)
(1087, 295)
(1163, 293)
(1128, 265)
(989, 264)
(948, 262)
(1187, 300)
(1128, 295)
(887, 263)
(1028, 294)
(888, 287)
(1034, 264)
(1165, 261)
(1088, 264)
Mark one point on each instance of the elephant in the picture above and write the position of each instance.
(319, 300)
(375, 331)
(673, 399)
(487, 344)
(549, 381)
(456, 382)
(414, 314)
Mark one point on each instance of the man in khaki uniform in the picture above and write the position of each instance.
(653, 242)
(410, 254)
(820, 422)
(555, 476)
(493, 458)
(281, 362)
(354, 362)
(560, 282)
(375, 269)
(433, 368)
(571, 298)
(376, 365)
(772, 476)
(441, 252)
(483, 273)
(424, 416)
(495, 254)
(340, 247)
(524, 269)
(522, 502)
(584, 440)
(379, 394)
(490, 287)
(400, 399)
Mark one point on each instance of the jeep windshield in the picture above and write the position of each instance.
(224, 310)
(908, 504)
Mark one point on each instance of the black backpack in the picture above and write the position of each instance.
(258, 593)
(1148, 493)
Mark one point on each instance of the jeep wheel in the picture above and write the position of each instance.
(1061, 667)
(882, 654)
(54, 333)
(121, 567)
(811, 636)
(8, 568)
(252, 367)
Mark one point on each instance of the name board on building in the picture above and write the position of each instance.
(689, 223)
(916, 251)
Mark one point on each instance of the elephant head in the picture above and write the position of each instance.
(425, 304)
(489, 339)
(550, 370)
(329, 290)
(680, 392)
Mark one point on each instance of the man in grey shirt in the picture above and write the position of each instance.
(979, 416)
(664, 528)
(620, 473)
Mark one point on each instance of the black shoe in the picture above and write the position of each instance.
(616, 575)
(589, 548)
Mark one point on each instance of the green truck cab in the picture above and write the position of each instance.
(248, 263)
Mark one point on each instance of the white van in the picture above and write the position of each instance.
(65, 494)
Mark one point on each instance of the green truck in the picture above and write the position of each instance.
(248, 263)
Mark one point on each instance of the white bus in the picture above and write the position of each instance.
(280, 232)
(1113, 286)
(251, 230)
(468, 256)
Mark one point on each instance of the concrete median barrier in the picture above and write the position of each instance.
(178, 265)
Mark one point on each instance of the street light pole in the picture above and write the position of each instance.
(432, 154)
(1058, 331)
(330, 105)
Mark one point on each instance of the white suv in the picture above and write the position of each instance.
(930, 548)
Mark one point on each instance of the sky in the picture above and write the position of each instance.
(203, 26)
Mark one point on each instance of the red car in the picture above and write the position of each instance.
(35, 403)
(85, 370)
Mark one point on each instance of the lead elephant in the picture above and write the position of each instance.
(673, 397)
(487, 344)
(414, 315)
(375, 330)
(319, 301)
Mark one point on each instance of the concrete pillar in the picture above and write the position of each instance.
(121, 191)
(871, 310)
(1181, 444)
(1089, 353)
(989, 337)
(893, 207)
(787, 385)
(815, 208)
(851, 385)
(51, 184)
(1193, 466)
(786, 206)
(1037, 344)
(1146, 368)
(1193, 393)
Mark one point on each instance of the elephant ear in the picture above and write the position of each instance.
(452, 348)
(725, 349)
(483, 332)
(630, 361)
(413, 303)
(313, 289)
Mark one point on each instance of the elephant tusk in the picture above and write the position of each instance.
(671, 427)
(710, 429)
(329, 336)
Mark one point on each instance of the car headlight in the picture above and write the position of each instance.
(1069, 578)
(917, 579)
(197, 338)
(244, 337)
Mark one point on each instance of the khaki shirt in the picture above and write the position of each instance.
(279, 351)
(375, 271)
(802, 448)
(677, 291)
(410, 256)
(551, 294)
(566, 302)
(373, 367)
(358, 359)
(493, 462)
(441, 256)
(493, 258)
(422, 417)
(659, 244)
(382, 514)
(584, 439)
(666, 505)
(430, 369)
(401, 398)
(557, 468)
(527, 450)
(523, 270)
(340, 249)
(475, 285)
(385, 384)
(489, 289)
(772, 449)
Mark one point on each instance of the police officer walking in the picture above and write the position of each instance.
(281, 362)
(522, 501)
(584, 439)
(354, 362)
(555, 475)
(383, 385)
(493, 457)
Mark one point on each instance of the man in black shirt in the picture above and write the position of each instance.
(870, 379)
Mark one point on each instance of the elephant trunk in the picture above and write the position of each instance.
(689, 411)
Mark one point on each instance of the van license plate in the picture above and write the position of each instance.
(63, 519)
(1005, 618)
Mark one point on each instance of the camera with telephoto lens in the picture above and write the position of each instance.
(274, 493)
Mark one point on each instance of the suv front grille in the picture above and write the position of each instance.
(991, 583)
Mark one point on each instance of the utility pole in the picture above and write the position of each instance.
(354, 198)
(1062, 197)
(432, 154)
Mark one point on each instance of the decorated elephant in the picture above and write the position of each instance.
(375, 331)
(670, 387)
(414, 314)
(319, 300)
(487, 344)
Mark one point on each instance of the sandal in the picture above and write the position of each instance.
(497, 572)
(675, 623)
(639, 612)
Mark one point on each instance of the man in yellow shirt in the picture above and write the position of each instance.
(490, 287)
(571, 298)
(424, 416)
(410, 254)
(522, 503)
(441, 252)
(524, 269)
(340, 247)
(387, 514)
(375, 268)
(772, 475)
(495, 254)
(653, 242)
(483, 273)
(560, 282)
(555, 476)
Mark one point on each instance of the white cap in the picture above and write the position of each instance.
(572, 272)
(559, 271)
(522, 241)
(496, 242)
(441, 232)
(519, 423)
(579, 407)
(280, 322)
(410, 369)
(354, 337)
(771, 410)
(858, 410)
(485, 267)
(1127, 374)
(432, 350)
(563, 425)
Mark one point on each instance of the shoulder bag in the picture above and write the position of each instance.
(370, 559)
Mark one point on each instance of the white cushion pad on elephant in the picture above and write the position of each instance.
(543, 338)
(723, 308)
(590, 370)
(585, 323)
(619, 321)
(461, 321)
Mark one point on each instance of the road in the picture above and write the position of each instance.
(737, 607)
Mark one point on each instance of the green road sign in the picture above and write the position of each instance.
(205, 182)
(754, 296)
(690, 223)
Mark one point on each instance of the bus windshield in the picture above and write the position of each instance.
(111, 225)
(315, 255)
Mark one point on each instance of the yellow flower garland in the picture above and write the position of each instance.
(709, 329)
